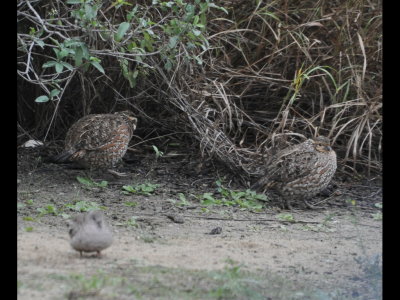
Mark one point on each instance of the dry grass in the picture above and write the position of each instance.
(272, 72)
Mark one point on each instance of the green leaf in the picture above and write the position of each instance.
(173, 40)
(285, 217)
(42, 99)
(49, 64)
(59, 67)
(196, 32)
(122, 29)
(129, 188)
(84, 206)
(75, 1)
(90, 11)
(40, 43)
(54, 93)
(63, 53)
(218, 7)
(85, 51)
(195, 20)
(130, 15)
(168, 65)
(78, 56)
(97, 66)
(103, 183)
(67, 65)
(151, 32)
(84, 180)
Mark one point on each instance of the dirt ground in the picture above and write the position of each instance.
(163, 248)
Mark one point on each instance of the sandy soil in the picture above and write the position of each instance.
(167, 252)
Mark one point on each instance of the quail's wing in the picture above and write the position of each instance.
(291, 165)
(95, 131)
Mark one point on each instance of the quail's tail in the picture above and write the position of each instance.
(63, 156)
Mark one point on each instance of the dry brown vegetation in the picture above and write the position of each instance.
(231, 79)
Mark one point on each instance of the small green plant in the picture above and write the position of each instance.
(84, 206)
(29, 202)
(158, 152)
(141, 189)
(30, 219)
(377, 216)
(29, 229)
(244, 199)
(132, 222)
(90, 183)
(182, 200)
(285, 217)
(47, 210)
(131, 203)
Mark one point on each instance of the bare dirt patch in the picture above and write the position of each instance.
(163, 248)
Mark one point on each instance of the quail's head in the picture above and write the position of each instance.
(97, 217)
(129, 118)
(75, 223)
(322, 144)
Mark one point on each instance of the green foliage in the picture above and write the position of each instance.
(285, 217)
(122, 29)
(90, 183)
(158, 152)
(141, 189)
(138, 33)
(84, 206)
(131, 203)
(182, 200)
(132, 222)
(244, 199)
(47, 210)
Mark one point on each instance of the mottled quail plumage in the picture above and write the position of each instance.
(300, 171)
(90, 232)
(99, 140)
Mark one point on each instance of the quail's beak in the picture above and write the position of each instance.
(328, 148)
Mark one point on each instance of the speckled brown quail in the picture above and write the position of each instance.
(299, 172)
(90, 232)
(99, 140)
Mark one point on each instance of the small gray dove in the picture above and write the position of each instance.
(90, 232)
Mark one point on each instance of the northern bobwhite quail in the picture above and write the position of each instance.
(90, 233)
(300, 171)
(98, 140)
